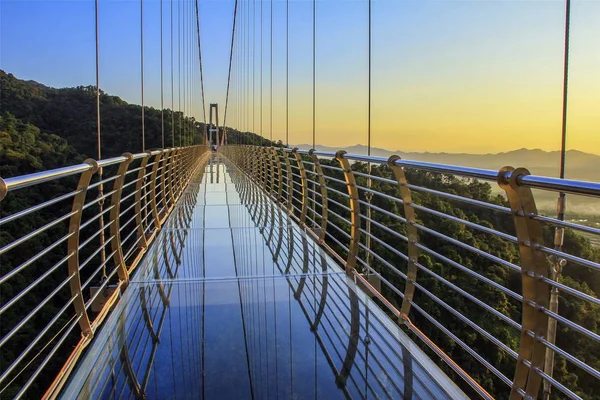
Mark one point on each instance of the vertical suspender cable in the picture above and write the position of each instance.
(245, 73)
(559, 231)
(230, 63)
(271, 80)
(565, 93)
(243, 69)
(287, 73)
(162, 82)
(98, 143)
(97, 84)
(369, 89)
(186, 69)
(190, 75)
(369, 195)
(314, 98)
(179, 66)
(261, 71)
(172, 85)
(188, 87)
(182, 71)
(247, 77)
(563, 150)
(314, 72)
(142, 71)
(253, 61)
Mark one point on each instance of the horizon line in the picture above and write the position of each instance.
(445, 152)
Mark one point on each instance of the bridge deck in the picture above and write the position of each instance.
(224, 306)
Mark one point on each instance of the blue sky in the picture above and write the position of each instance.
(471, 70)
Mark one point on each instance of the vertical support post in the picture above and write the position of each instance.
(73, 248)
(413, 235)
(115, 226)
(323, 187)
(214, 125)
(536, 293)
(354, 212)
(304, 184)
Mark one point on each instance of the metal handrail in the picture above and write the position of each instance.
(531, 181)
(520, 232)
(92, 252)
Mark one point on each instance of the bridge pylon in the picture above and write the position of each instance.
(213, 127)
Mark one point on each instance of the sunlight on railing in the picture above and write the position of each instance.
(66, 260)
(468, 273)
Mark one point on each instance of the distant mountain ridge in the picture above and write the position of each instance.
(579, 165)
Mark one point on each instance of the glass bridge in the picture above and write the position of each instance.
(234, 300)
(264, 272)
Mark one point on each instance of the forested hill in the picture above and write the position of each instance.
(49, 114)
(70, 113)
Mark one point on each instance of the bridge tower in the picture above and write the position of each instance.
(213, 127)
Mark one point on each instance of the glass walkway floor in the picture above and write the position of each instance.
(224, 307)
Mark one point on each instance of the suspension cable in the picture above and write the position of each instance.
(99, 145)
(563, 150)
(314, 72)
(559, 232)
(98, 86)
(253, 60)
(247, 70)
(179, 67)
(314, 107)
(565, 93)
(162, 81)
(271, 80)
(369, 194)
(230, 63)
(172, 85)
(369, 87)
(261, 71)
(142, 71)
(287, 73)
(182, 71)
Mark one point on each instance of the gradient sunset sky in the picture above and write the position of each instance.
(448, 76)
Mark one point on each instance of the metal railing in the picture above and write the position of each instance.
(416, 240)
(130, 350)
(70, 238)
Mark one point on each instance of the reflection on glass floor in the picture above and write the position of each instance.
(224, 307)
